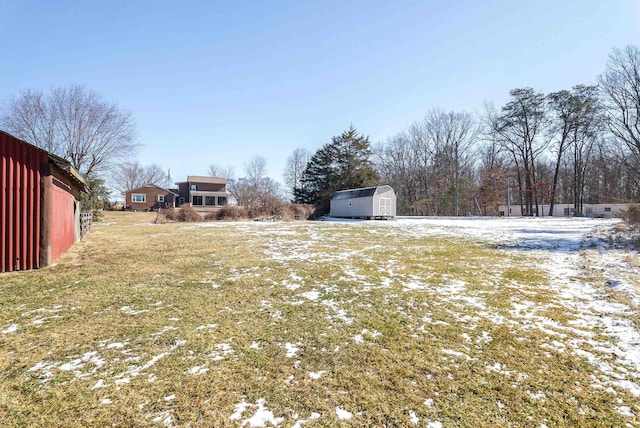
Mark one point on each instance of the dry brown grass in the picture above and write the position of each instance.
(392, 326)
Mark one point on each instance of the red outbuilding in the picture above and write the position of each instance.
(39, 205)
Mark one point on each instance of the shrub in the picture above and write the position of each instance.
(187, 213)
(169, 214)
(228, 212)
(269, 210)
(632, 214)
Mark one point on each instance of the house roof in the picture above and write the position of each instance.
(204, 179)
(61, 163)
(151, 185)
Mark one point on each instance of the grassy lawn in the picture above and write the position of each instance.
(301, 323)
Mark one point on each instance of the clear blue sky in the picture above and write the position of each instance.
(218, 82)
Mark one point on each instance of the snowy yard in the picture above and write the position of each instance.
(430, 322)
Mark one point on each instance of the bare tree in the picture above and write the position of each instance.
(131, 175)
(255, 189)
(428, 164)
(519, 130)
(562, 106)
(255, 169)
(31, 118)
(620, 84)
(221, 172)
(294, 169)
(453, 135)
(74, 123)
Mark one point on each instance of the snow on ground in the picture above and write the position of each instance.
(568, 246)
(564, 243)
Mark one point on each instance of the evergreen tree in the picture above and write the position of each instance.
(97, 198)
(344, 163)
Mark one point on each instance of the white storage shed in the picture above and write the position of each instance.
(369, 203)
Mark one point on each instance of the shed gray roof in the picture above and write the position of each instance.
(355, 193)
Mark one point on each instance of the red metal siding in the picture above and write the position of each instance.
(19, 204)
(61, 224)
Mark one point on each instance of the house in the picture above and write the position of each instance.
(149, 198)
(370, 203)
(39, 205)
(203, 192)
(568, 210)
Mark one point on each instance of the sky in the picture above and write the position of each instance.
(219, 82)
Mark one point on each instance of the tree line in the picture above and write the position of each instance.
(574, 146)
(579, 145)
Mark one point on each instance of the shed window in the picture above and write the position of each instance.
(197, 200)
(137, 197)
(160, 198)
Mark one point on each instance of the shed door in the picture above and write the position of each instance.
(385, 206)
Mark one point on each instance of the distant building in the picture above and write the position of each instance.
(149, 198)
(368, 203)
(568, 210)
(203, 192)
(39, 205)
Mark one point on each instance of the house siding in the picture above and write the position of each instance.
(151, 203)
(204, 189)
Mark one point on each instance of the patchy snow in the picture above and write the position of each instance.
(260, 418)
(300, 422)
(566, 250)
(11, 328)
(99, 384)
(222, 350)
(292, 350)
(311, 295)
(343, 414)
(197, 370)
(206, 327)
(317, 375)
(130, 311)
(566, 245)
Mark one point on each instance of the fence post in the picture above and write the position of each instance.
(86, 218)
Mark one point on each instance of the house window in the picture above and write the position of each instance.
(181, 201)
(222, 200)
(139, 198)
(194, 187)
(607, 209)
(197, 200)
(160, 198)
(210, 200)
